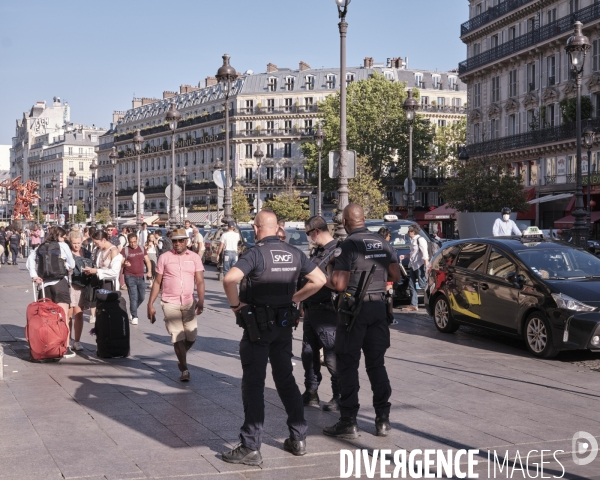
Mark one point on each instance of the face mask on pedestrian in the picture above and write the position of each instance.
(506, 217)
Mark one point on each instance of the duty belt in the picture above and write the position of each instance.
(319, 306)
(374, 297)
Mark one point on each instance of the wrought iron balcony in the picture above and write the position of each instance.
(561, 26)
(280, 132)
(443, 109)
(550, 179)
(571, 178)
(105, 179)
(491, 14)
(566, 131)
(105, 146)
(285, 109)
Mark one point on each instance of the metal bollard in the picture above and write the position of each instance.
(1, 363)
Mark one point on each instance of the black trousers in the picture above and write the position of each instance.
(319, 332)
(370, 334)
(276, 346)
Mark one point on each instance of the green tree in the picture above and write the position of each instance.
(376, 128)
(446, 143)
(103, 216)
(38, 215)
(568, 108)
(481, 185)
(80, 216)
(289, 206)
(240, 206)
(367, 191)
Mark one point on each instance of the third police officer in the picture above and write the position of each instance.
(266, 309)
(369, 330)
(320, 320)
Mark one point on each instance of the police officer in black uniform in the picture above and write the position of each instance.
(320, 320)
(370, 332)
(4, 256)
(269, 273)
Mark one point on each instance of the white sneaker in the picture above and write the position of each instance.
(92, 319)
(77, 346)
(69, 353)
(134, 321)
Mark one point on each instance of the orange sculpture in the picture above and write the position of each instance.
(25, 194)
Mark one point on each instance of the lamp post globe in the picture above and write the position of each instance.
(226, 75)
(114, 158)
(93, 168)
(577, 47)
(258, 156)
(172, 118)
(410, 106)
(319, 139)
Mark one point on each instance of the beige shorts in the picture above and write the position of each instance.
(180, 321)
(78, 298)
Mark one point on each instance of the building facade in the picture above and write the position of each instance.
(517, 74)
(47, 145)
(277, 110)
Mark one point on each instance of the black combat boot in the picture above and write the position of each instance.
(382, 425)
(241, 454)
(346, 428)
(332, 405)
(297, 447)
(310, 398)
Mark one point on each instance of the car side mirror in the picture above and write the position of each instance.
(517, 280)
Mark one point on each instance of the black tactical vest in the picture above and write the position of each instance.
(276, 285)
(324, 294)
(372, 248)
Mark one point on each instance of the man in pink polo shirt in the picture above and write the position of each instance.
(177, 271)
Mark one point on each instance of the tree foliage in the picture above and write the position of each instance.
(289, 206)
(376, 129)
(240, 206)
(367, 191)
(80, 216)
(447, 142)
(103, 216)
(568, 109)
(38, 215)
(484, 186)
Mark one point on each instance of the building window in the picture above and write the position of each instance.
(270, 150)
(495, 128)
(550, 115)
(496, 89)
(308, 102)
(81, 166)
(248, 150)
(494, 41)
(512, 33)
(330, 81)
(270, 126)
(249, 106)
(441, 123)
(289, 83)
(441, 101)
(551, 15)
(419, 80)
(177, 160)
(248, 174)
(287, 126)
(457, 102)
(248, 127)
(310, 82)
(477, 133)
(269, 173)
(81, 193)
(531, 120)
(195, 158)
(308, 127)
(476, 49)
(287, 172)
(436, 81)
(288, 105)
(287, 150)
(512, 124)
(452, 83)
(477, 95)
(272, 85)
(573, 6)
(270, 104)
(530, 77)
(424, 100)
(551, 69)
(349, 78)
(596, 55)
(512, 83)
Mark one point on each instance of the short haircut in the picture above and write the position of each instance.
(100, 235)
(415, 229)
(316, 223)
(131, 235)
(75, 234)
(144, 224)
(384, 232)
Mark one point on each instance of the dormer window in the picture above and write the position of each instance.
(349, 78)
(330, 82)
(389, 76)
(289, 83)
(436, 81)
(310, 82)
(272, 85)
(419, 80)
(452, 83)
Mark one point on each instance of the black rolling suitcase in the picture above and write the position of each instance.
(112, 325)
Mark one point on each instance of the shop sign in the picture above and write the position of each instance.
(595, 179)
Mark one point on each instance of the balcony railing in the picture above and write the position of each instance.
(566, 131)
(491, 14)
(278, 110)
(442, 108)
(550, 179)
(278, 132)
(105, 179)
(571, 178)
(37, 145)
(559, 27)
(105, 146)
(52, 156)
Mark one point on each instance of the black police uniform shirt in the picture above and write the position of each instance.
(324, 294)
(360, 251)
(273, 279)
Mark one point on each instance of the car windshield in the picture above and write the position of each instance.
(561, 263)
(399, 237)
(297, 237)
(248, 235)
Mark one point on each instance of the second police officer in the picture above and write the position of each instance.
(370, 331)
(320, 320)
(266, 308)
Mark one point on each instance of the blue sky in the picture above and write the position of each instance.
(97, 55)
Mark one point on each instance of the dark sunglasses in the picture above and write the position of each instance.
(177, 240)
(310, 231)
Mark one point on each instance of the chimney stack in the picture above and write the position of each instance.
(210, 81)
(397, 62)
(369, 62)
(147, 100)
(167, 94)
(304, 66)
(136, 102)
(271, 67)
(187, 89)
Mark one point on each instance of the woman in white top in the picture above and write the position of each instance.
(151, 251)
(108, 260)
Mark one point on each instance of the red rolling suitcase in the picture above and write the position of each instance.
(46, 330)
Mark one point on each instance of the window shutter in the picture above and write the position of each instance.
(565, 64)
(489, 130)
(556, 114)
(523, 122)
(506, 125)
(544, 72)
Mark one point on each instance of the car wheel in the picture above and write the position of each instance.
(442, 316)
(538, 336)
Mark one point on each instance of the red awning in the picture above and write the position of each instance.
(529, 214)
(441, 213)
(567, 222)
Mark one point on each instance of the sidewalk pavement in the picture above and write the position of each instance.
(132, 418)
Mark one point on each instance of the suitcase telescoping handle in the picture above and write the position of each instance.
(35, 291)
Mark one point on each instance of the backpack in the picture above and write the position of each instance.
(78, 277)
(164, 245)
(50, 264)
(115, 241)
(126, 250)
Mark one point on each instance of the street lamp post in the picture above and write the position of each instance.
(173, 117)
(410, 107)
(393, 172)
(589, 138)
(319, 137)
(258, 156)
(114, 158)
(313, 196)
(226, 75)
(342, 6)
(93, 167)
(53, 181)
(577, 48)
(463, 155)
(184, 174)
(137, 146)
(72, 174)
